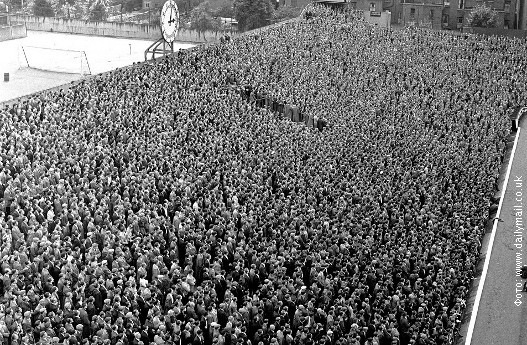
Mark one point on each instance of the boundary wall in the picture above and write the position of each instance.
(496, 32)
(12, 31)
(111, 29)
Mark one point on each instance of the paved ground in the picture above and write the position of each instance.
(465, 320)
(500, 317)
(103, 54)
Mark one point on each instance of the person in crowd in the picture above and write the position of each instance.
(162, 204)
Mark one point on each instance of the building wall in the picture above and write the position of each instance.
(395, 7)
(522, 14)
(367, 5)
(384, 20)
(422, 15)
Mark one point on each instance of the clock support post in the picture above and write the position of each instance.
(159, 48)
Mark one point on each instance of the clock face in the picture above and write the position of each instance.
(169, 20)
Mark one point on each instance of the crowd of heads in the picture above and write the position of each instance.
(156, 205)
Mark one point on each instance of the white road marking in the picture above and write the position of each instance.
(491, 243)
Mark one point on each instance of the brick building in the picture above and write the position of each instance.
(459, 10)
(434, 14)
(451, 14)
(367, 5)
(427, 14)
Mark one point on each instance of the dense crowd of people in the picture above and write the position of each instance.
(156, 205)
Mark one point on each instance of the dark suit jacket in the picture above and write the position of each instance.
(198, 340)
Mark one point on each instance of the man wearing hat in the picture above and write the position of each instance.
(330, 338)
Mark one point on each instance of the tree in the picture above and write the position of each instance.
(43, 8)
(98, 12)
(483, 17)
(224, 9)
(13, 5)
(80, 10)
(186, 6)
(217, 25)
(285, 13)
(253, 14)
(63, 7)
(132, 5)
(201, 18)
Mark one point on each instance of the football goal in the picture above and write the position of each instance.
(54, 60)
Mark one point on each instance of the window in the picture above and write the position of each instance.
(507, 7)
(461, 4)
(446, 2)
(372, 6)
(147, 4)
(431, 17)
(506, 24)
(459, 22)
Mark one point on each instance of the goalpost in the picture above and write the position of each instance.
(54, 60)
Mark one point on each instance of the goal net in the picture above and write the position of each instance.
(54, 60)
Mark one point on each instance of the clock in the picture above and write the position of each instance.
(169, 21)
